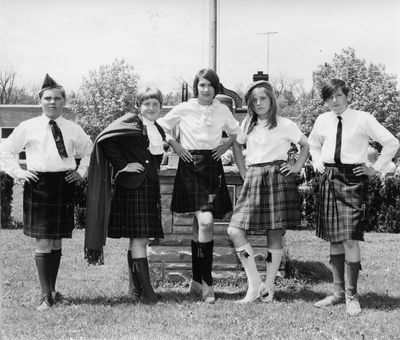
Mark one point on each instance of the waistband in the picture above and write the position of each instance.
(341, 166)
(200, 152)
(52, 174)
(268, 163)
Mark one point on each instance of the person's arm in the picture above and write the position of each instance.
(315, 145)
(239, 159)
(288, 169)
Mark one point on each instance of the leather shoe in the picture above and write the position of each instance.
(330, 300)
(352, 305)
(45, 303)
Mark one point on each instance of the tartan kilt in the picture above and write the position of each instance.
(201, 186)
(342, 204)
(136, 213)
(268, 200)
(48, 206)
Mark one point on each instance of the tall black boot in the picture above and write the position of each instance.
(141, 269)
(195, 285)
(134, 284)
(55, 265)
(43, 265)
(206, 260)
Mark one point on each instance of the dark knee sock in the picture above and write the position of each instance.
(55, 265)
(205, 260)
(352, 270)
(337, 263)
(195, 262)
(43, 265)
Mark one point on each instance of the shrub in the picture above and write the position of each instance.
(6, 186)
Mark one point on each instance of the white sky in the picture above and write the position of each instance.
(167, 40)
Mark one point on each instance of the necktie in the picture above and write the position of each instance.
(58, 138)
(338, 147)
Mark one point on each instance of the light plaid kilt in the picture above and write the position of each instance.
(201, 185)
(342, 202)
(136, 213)
(48, 206)
(268, 200)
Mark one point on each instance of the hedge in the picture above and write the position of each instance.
(6, 188)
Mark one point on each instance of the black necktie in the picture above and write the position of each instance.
(338, 147)
(58, 138)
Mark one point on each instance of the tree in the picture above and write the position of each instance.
(105, 95)
(373, 90)
(7, 78)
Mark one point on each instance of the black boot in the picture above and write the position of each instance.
(206, 260)
(43, 265)
(195, 285)
(141, 269)
(134, 289)
(55, 265)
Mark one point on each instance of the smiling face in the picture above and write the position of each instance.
(150, 109)
(337, 102)
(206, 92)
(260, 102)
(52, 103)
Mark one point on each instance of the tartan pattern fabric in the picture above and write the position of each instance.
(136, 213)
(201, 185)
(341, 205)
(268, 200)
(48, 206)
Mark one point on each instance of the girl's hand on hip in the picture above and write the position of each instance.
(364, 170)
(288, 169)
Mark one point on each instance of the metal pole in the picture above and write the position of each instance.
(268, 34)
(213, 35)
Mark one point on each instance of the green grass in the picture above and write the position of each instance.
(101, 308)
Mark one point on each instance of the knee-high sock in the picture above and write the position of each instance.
(337, 263)
(352, 269)
(246, 257)
(141, 269)
(205, 260)
(55, 265)
(43, 265)
(195, 262)
(274, 257)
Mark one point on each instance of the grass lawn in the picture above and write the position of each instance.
(101, 308)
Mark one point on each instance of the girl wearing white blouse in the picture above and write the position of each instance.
(268, 201)
(200, 185)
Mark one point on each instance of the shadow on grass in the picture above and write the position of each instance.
(379, 301)
(310, 271)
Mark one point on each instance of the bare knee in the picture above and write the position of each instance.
(275, 239)
(44, 245)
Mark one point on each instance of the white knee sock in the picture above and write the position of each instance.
(246, 256)
(273, 262)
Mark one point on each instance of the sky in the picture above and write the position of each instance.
(167, 41)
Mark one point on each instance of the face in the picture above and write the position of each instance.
(150, 109)
(260, 102)
(52, 103)
(206, 92)
(337, 102)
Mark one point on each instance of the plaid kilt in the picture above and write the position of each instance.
(268, 200)
(136, 213)
(49, 206)
(201, 185)
(341, 204)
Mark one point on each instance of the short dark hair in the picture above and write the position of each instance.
(148, 93)
(211, 76)
(53, 88)
(331, 86)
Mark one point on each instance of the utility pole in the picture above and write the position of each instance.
(267, 34)
(213, 35)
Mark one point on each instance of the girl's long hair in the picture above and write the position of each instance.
(252, 116)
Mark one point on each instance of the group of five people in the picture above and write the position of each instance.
(123, 194)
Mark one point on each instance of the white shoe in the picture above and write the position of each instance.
(254, 294)
(195, 287)
(207, 293)
(267, 295)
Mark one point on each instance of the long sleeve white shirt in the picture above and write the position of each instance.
(35, 136)
(357, 128)
(200, 127)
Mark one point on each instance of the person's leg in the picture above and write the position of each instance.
(352, 268)
(205, 222)
(274, 257)
(56, 253)
(140, 268)
(246, 256)
(43, 264)
(337, 263)
(195, 284)
(134, 288)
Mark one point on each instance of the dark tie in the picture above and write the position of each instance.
(338, 147)
(58, 138)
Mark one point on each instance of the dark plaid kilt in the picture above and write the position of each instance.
(341, 204)
(49, 206)
(136, 213)
(268, 200)
(201, 186)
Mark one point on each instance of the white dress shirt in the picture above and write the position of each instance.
(267, 145)
(200, 127)
(156, 145)
(357, 128)
(35, 136)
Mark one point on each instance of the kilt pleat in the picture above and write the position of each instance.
(268, 200)
(48, 206)
(136, 213)
(201, 185)
(341, 205)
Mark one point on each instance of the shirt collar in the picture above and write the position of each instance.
(47, 119)
(146, 121)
